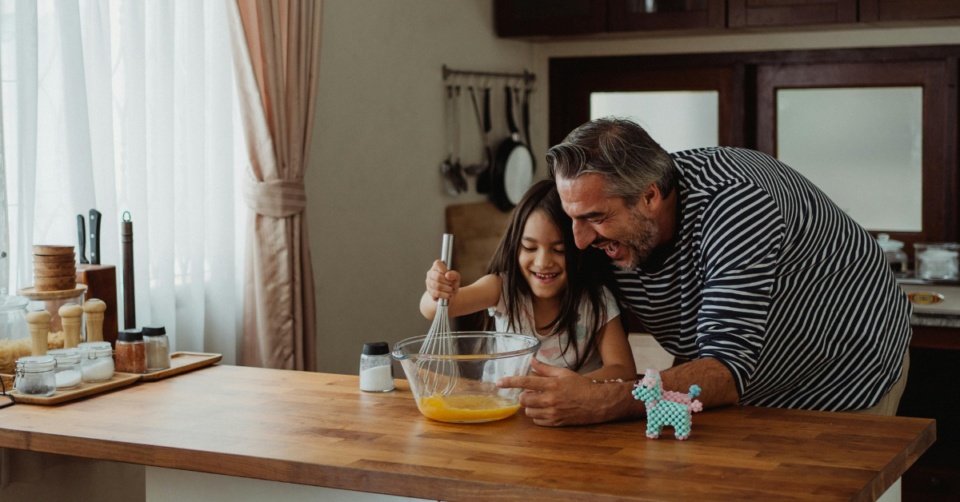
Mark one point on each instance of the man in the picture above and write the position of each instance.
(736, 262)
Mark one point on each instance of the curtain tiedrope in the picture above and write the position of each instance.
(279, 307)
(275, 198)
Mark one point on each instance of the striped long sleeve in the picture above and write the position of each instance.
(771, 278)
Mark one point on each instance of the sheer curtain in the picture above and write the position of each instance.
(129, 105)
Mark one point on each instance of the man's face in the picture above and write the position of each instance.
(626, 234)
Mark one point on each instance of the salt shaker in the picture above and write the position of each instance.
(376, 368)
(93, 311)
(71, 318)
(39, 329)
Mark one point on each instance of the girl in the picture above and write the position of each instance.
(538, 283)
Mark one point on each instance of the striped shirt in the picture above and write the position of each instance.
(771, 278)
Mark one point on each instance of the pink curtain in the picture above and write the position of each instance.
(276, 48)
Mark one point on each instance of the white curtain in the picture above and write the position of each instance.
(129, 105)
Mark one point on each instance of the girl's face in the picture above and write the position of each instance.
(542, 259)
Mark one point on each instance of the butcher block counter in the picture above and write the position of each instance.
(320, 430)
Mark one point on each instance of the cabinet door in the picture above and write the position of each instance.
(639, 15)
(523, 18)
(753, 13)
(904, 10)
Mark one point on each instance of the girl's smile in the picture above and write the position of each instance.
(542, 260)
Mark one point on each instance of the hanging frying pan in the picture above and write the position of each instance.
(512, 171)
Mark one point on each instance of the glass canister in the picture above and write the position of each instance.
(376, 368)
(14, 334)
(96, 361)
(893, 251)
(35, 376)
(131, 352)
(157, 347)
(68, 368)
(51, 301)
(937, 261)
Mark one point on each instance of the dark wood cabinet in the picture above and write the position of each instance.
(529, 18)
(560, 18)
(757, 13)
(907, 10)
(641, 15)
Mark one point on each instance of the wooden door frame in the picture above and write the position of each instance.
(930, 75)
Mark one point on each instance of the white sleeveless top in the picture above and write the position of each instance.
(552, 345)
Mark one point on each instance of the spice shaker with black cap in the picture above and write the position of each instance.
(158, 348)
(376, 368)
(130, 352)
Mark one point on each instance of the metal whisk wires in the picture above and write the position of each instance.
(437, 364)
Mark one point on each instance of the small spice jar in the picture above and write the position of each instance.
(68, 368)
(131, 353)
(35, 376)
(157, 347)
(96, 361)
(376, 368)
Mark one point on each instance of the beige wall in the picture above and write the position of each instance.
(375, 204)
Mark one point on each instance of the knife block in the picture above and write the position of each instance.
(101, 281)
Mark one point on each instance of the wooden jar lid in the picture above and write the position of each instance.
(46, 250)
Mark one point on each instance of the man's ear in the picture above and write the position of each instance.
(651, 198)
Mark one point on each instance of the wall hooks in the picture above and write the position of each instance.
(526, 77)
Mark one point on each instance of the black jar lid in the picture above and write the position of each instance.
(376, 349)
(129, 335)
(148, 331)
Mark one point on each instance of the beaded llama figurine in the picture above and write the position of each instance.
(666, 407)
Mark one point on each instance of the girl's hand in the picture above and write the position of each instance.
(442, 283)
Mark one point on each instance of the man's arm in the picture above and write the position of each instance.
(561, 397)
(717, 387)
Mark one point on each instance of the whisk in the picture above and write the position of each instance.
(437, 363)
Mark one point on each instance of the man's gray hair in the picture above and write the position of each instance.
(621, 151)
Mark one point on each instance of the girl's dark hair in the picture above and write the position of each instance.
(587, 271)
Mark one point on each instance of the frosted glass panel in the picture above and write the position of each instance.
(678, 120)
(861, 146)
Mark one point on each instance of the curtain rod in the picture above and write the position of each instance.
(526, 76)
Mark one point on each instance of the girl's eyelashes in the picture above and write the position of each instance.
(525, 248)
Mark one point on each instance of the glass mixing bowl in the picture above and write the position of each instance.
(471, 376)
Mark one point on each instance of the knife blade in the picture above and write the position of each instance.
(95, 218)
(82, 237)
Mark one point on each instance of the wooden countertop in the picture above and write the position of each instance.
(319, 429)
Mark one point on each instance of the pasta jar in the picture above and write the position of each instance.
(68, 368)
(96, 361)
(131, 353)
(157, 345)
(35, 376)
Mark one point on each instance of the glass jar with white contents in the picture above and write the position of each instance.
(35, 376)
(96, 361)
(376, 368)
(68, 368)
(938, 261)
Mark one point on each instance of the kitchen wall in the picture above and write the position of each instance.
(375, 205)
(375, 201)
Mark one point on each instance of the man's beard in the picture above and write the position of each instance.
(642, 241)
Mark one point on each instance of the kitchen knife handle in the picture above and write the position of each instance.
(82, 237)
(95, 218)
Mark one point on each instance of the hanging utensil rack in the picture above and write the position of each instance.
(527, 77)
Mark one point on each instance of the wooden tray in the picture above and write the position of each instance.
(181, 362)
(85, 389)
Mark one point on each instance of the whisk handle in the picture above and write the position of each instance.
(446, 255)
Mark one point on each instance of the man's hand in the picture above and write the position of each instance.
(561, 397)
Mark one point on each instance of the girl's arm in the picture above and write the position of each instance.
(482, 294)
(616, 354)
